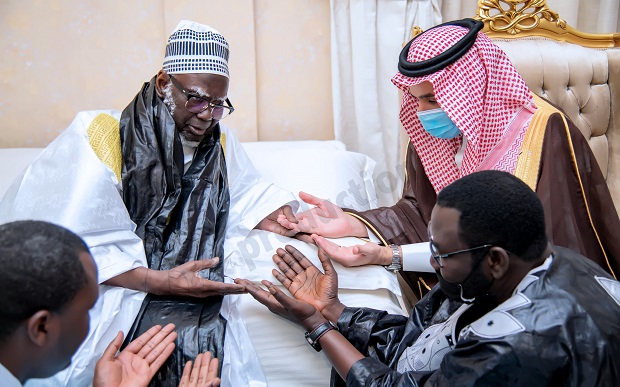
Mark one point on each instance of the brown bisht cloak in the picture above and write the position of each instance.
(584, 220)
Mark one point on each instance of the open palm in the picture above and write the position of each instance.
(304, 280)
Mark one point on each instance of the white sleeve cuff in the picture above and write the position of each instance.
(416, 257)
(372, 237)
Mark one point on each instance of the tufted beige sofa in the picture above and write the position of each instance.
(578, 72)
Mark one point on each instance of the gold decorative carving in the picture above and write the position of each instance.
(507, 19)
(521, 15)
(415, 31)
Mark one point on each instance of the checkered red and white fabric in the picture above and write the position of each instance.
(481, 92)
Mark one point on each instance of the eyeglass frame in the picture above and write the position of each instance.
(210, 105)
(440, 257)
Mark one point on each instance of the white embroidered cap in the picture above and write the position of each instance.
(196, 48)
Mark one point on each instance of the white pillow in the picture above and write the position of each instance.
(275, 146)
(320, 168)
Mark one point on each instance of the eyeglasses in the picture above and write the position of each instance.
(196, 104)
(440, 257)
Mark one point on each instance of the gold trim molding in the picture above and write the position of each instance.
(415, 31)
(510, 19)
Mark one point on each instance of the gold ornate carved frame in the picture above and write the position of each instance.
(506, 19)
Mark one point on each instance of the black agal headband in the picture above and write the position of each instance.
(429, 66)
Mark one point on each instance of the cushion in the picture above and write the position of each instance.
(14, 161)
(320, 168)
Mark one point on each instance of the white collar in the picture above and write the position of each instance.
(188, 156)
(7, 378)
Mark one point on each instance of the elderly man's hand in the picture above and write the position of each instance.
(185, 280)
(326, 219)
(358, 255)
(137, 364)
(270, 223)
(298, 312)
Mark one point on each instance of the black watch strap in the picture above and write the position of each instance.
(313, 337)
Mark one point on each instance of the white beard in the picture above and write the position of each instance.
(188, 143)
(168, 100)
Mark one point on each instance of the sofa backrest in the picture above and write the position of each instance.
(578, 72)
(14, 162)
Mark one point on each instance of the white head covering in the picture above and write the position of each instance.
(196, 48)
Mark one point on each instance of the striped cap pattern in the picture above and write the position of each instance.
(196, 48)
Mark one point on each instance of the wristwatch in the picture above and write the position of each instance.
(313, 337)
(395, 266)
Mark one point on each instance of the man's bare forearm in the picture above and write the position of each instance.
(140, 278)
(340, 352)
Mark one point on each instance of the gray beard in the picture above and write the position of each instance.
(168, 100)
(186, 142)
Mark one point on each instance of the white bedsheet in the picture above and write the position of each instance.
(284, 355)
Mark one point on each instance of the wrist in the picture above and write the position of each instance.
(317, 333)
(358, 229)
(386, 256)
(154, 281)
(312, 322)
(333, 310)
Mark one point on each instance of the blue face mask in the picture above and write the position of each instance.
(437, 123)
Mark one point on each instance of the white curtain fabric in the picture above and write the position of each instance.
(366, 39)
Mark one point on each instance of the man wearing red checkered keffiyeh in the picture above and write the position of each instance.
(485, 117)
(482, 93)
